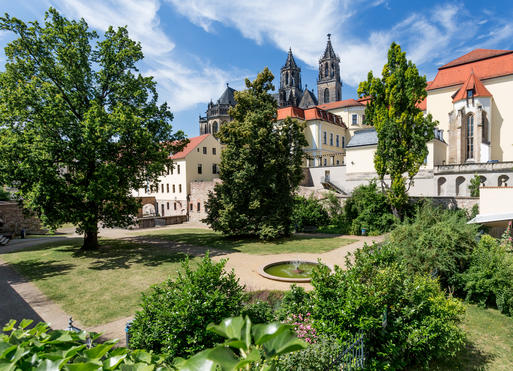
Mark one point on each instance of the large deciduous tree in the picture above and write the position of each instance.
(79, 126)
(402, 128)
(260, 166)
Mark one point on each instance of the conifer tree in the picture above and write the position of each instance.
(402, 128)
(260, 166)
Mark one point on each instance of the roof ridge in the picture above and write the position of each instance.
(480, 54)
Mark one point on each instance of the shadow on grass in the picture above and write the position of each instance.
(39, 270)
(115, 254)
(470, 358)
(218, 241)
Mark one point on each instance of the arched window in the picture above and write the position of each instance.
(469, 137)
(326, 95)
(326, 69)
(286, 78)
(209, 129)
(441, 186)
(338, 94)
(332, 69)
(459, 186)
(215, 127)
(503, 181)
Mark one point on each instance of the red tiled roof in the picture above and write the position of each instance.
(314, 113)
(473, 83)
(294, 112)
(340, 104)
(193, 143)
(476, 55)
(364, 100)
(483, 62)
(422, 105)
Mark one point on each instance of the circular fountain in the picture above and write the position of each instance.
(288, 271)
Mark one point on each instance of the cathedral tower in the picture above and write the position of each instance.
(290, 91)
(329, 85)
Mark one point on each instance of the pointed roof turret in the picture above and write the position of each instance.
(329, 52)
(290, 62)
(473, 83)
(227, 97)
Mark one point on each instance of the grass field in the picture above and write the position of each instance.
(489, 342)
(302, 243)
(95, 287)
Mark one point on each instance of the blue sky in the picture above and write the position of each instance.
(193, 48)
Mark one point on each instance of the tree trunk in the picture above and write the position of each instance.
(90, 239)
(396, 213)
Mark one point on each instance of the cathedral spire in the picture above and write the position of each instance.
(290, 62)
(329, 84)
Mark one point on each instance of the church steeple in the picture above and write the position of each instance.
(329, 84)
(290, 91)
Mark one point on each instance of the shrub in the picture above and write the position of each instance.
(295, 301)
(368, 208)
(308, 212)
(437, 242)
(259, 312)
(173, 315)
(406, 318)
(319, 356)
(488, 281)
(40, 348)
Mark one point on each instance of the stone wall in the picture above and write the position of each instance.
(198, 197)
(12, 219)
(451, 202)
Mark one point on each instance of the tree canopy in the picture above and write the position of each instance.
(402, 128)
(260, 166)
(80, 127)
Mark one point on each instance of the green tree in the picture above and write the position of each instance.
(475, 184)
(402, 129)
(260, 166)
(80, 127)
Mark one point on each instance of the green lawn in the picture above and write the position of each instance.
(98, 286)
(490, 342)
(302, 243)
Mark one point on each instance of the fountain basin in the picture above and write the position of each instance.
(288, 271)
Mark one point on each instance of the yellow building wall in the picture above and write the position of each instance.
(501, 137)
(196, 157)
(439, 104)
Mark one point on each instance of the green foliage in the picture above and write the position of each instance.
(308, 212)
(81, 127)
(319, 356)
(402, 128)
(368, 208)
(40, 348)
(489, 279)
(475, 183)
(259, 311)
(260, 166)
(406, 317)
(4, 195)
(173, 315)
(295, 301)
(438, 242)
(246, 347)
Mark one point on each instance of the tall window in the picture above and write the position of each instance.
(214, 168)
(324, 137)
(331, 139)
(343, 142)
(337, 141)
(204, 150)
(178, 169)
(167, 188)
(326, 94)
(174, 188)
(355, 119)
(326, 73)
(469, 137)
(214, 151)
(162, 187)
(179, 188)
(215, 127)
(200, 168)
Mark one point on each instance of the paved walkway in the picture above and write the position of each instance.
(22, 299)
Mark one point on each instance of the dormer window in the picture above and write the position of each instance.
(470, 96)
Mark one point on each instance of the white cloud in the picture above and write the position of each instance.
(139, 15)
(182, 87)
